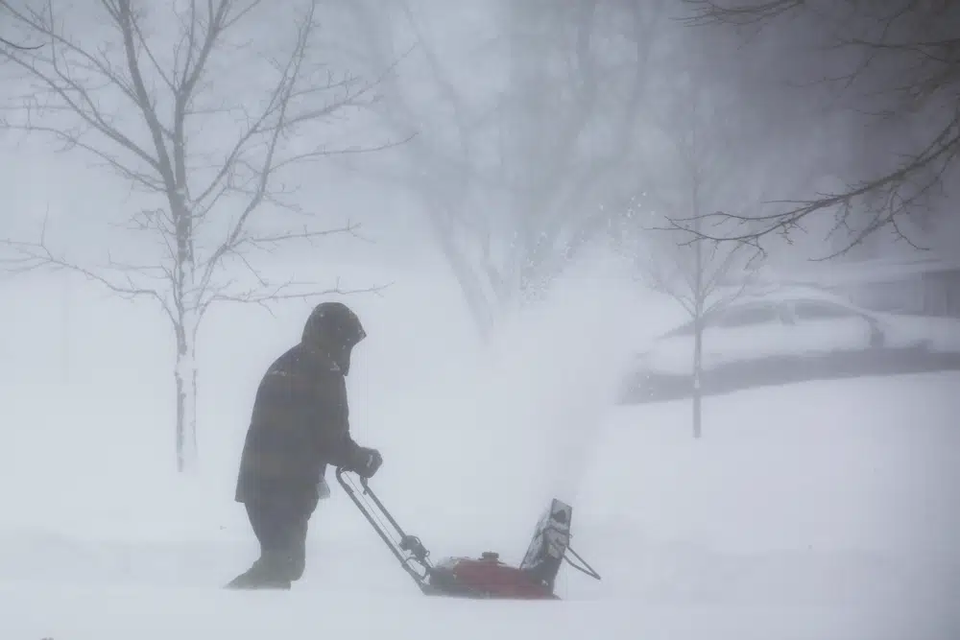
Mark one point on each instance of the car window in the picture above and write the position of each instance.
(815, 310)
(745, 316)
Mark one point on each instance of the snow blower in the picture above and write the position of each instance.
(485, 577)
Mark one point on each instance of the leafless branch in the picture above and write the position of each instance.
(265, 294)
(120, 279)
(19, 46)
(900, 192)
(749, 13)
(905, 57)
(164, 166)
(494, 252)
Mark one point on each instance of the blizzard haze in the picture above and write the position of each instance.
(824, 507)
(510, 263)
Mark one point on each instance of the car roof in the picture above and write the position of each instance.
(775, 295)
(793, 294)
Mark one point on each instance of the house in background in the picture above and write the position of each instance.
(922, 286)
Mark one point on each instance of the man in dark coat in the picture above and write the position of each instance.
(300, 425)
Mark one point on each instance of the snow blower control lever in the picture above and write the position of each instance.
(484, 577)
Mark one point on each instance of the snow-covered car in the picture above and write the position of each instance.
(789, 335)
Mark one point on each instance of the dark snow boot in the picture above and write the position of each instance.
(266, 573)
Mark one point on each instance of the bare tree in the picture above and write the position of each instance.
(509, 173)
(206, 147)
(703, 277)
(706, 160)
(896, 62)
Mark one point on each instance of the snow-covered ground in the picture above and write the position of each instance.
(814, 511)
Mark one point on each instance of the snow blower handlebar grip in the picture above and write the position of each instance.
(413, 545)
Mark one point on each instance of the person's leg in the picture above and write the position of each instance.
(280, 525)
(266, 518)
(295, 520)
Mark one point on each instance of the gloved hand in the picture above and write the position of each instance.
(367, 463)
(323, 489)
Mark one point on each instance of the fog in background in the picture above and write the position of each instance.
(514, 192)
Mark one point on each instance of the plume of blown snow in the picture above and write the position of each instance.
(552, 373)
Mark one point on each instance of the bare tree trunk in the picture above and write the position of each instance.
(697, 372)
(187, 319)
(65, 333)
(467, 275)
(185, 377)
(471, 290)
(699, 306)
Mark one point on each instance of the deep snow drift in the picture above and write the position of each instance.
(821, 510)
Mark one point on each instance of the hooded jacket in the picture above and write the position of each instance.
(299, 425)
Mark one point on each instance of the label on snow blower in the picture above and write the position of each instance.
(550, 541)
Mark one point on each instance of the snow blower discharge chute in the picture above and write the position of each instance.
(483, 577)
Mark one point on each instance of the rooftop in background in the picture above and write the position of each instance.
(838, 273)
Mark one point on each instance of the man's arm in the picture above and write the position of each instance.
(340, 449)
(329, 424)
(323, 415)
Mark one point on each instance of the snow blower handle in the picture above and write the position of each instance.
(389, 530)
(408, 543)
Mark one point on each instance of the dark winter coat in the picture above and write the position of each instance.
(300, 424)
